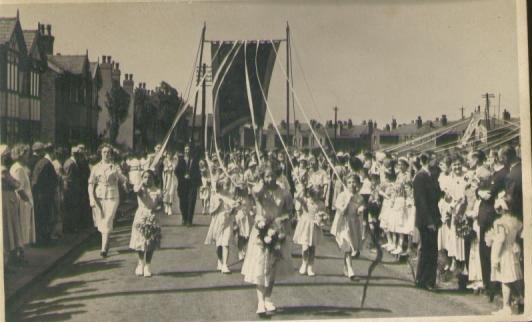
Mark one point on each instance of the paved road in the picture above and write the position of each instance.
(186, 286)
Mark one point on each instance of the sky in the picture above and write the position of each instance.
(373, 59)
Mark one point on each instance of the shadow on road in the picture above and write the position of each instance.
(317, 310)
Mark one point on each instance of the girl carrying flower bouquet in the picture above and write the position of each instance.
(347, 223)
(146, 230)
(220, 233)
(308, 230)
(268, 256)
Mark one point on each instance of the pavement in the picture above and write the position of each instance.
(187, 287)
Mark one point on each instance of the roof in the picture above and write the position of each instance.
(427, 127)
(7, 25)
(29, 38)
(69, 63)
(93, 69)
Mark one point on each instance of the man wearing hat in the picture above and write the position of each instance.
(72, 191)
(43, 184)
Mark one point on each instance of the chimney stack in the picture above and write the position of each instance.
(46, 40)
(444, 120)
(419, 122)
(394, 123)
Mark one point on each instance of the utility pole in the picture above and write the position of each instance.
(203, 100)
(202, 41)
(462, 110)
(499, 109)
(487, 96)
(335, 125)
(287, 84)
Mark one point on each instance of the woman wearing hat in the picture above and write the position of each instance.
(104, 194)
(20, 155)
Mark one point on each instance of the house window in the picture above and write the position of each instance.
(12, 72)
(34, 84)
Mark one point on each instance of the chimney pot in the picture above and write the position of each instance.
(109, 59)
(130, 76)
(117, 65)
(49, 29)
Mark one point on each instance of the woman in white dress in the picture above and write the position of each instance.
(149, 199)
(20, 155)
(347, 223)
(261, 266)
(104, 194)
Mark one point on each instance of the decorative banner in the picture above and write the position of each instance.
(232, 106)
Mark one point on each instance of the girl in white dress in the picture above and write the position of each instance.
(444, 205)
(244, 219)
(261, 266)
(505, 253)
(20, 155)
(398, 224)
(150, 202)
(220, 233)
(308, 232)
(347, 223)
(387, 191)
(205, 189)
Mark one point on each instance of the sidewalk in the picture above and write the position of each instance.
(45, 259)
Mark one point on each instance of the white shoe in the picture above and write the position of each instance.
(147, 272)
(225, 269)
(310, 272)
(139, 271)
(260, 308)
(350, 273)
(269, 306)
(219, 266)
(396, 251)
(303, 269)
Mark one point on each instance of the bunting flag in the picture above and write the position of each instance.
(232, 108)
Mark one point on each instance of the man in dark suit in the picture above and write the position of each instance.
(513, 185)
(72, 191)
(189, 179)
(84, 172)
(426, 197)
(43, 186)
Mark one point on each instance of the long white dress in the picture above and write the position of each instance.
(457, 191)
(347, 224)
(261, 267)
(170, 196)
(27, 216)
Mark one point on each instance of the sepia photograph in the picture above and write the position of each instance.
(265, 160)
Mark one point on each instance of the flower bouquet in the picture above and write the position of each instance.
(271, 235)
(322, 219)
(151, 231)
(463, 226)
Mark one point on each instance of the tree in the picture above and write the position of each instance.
(117, 105)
